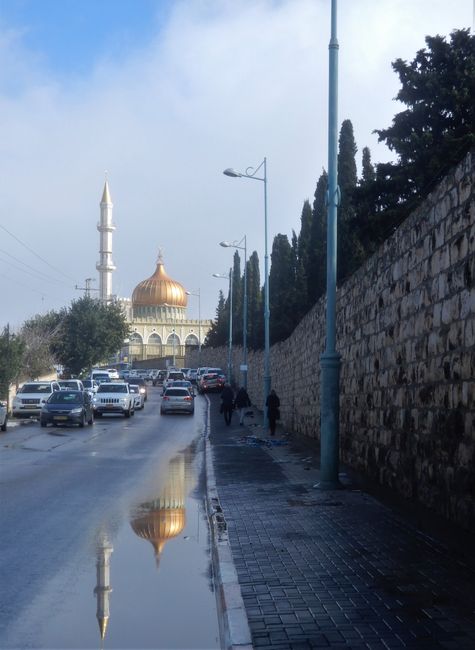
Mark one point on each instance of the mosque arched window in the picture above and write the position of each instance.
(173, 339)
(154, 339)
(192, 339)
(135, 339)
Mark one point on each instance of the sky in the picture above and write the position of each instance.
(162, 96)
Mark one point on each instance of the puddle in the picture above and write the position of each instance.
(144, 581)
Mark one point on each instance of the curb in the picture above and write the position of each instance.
(233, 624)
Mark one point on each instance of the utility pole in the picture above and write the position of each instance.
(87, 289)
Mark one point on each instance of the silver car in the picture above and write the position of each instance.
(3, 416)
(177, 400)
(139, 398)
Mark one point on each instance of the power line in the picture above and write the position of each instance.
(37, 273)
(35, 253)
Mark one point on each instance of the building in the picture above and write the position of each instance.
(160, 329)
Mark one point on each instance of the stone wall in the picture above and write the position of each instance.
(406, 333)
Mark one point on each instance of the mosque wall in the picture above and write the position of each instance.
(406, 335)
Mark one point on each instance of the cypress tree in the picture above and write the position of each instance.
(281, 289)
(255, 317)
(316, 280)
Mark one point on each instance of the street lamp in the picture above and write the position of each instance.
(330, 359)
(251, 173)
(197, 293)
(230, 342)
(237, 244)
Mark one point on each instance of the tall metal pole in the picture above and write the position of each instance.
(199, 327)
(267, 377)
(230, 346)
(244, 319)
(330, 359)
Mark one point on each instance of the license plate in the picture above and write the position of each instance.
(110, 406)
(60, 417)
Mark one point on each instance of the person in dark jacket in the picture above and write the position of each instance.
(242, 402)
(227, 403)
(273, 413)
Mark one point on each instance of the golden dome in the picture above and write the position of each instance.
(158, 525)
(158, 290)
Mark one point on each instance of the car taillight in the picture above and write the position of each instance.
(165, 397)
(187, 399)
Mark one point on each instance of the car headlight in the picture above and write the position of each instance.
(76, 411)
(142, 390)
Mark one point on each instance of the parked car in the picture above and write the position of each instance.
(141, 383)
(71, 384)
(67, 407)
(139, 400)
(113, 398)
(3, 416)
(211, 382)
(91, 386)
(177, 400)
(113, 373)
(31, 397)
(184, 383)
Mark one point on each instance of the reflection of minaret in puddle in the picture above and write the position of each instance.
(103, 588)
(164, 517)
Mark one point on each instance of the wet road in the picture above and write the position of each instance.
(103, 534)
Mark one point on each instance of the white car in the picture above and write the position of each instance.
(139, 397)
(3, 416)
(31, 398)
(113, 398)
(71, 384)
(113, 373)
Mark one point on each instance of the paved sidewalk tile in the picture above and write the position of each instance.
(332, 569)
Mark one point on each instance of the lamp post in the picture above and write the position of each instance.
(230, 342)
(330, 359)
(251, 173)
(237, 244)
(197, 293)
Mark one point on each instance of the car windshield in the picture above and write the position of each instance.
(68, 384)
(87, 383)
(176, 392)
(35, 388)
(65, 397)
(112, 388)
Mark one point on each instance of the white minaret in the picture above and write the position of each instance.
(105, 266)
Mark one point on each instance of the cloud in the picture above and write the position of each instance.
(222, 84)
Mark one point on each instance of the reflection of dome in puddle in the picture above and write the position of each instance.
(163, 518)
(157, 522)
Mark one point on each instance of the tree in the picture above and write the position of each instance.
(90, 332)
(281, 289)
(436, 129)
(316, 273)
(255, 316)
(238, 297)
(11, 358)
(368, 175)
(304, 242)
(217, 334)
(38, 335)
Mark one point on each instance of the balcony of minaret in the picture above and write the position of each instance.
(104, 227)
(106, 266)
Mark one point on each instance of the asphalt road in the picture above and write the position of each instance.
(103, 531)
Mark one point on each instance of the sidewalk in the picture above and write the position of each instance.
(331, 569)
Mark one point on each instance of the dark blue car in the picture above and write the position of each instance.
(67, 407)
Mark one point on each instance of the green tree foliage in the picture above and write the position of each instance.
(218, 332)
(368, 174)
(350, 251)
(281, 289)
(436, 129)
(11, 359)
(302, 260)
(316, 273)
(255, 315)
(238, 292)
(38, 335)
(89, 333)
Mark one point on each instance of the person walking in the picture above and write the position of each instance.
(273, 412)
(227, 403)
(242, 402)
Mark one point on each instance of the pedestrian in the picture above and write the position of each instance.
(242, 402)
(273, 412)
(227, 403)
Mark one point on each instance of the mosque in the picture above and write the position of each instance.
(159, 326)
